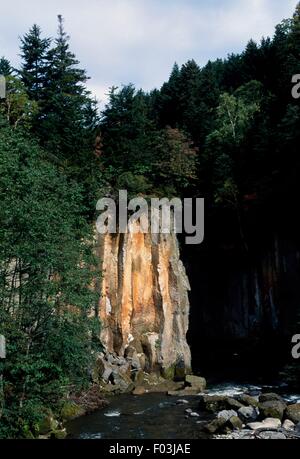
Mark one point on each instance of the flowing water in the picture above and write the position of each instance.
(140, 417)
(156, 416)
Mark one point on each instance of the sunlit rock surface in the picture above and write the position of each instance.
(144, 306)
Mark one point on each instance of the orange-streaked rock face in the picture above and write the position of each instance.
(144, 303)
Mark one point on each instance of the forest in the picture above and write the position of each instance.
(228, 132)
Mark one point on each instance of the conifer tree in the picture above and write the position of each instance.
(169, 99)
(65, 102)
(294, 41)
(33, 53)
(5, 67)
(128, 132)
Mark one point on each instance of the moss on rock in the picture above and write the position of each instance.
(47, 424)
(272, 409)
(71, 410)
(59, 434)
(293, 413)
(169, 373)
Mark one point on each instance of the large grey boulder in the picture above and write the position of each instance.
(104, 369)
(293, 413)
(269, 423)
(248, 400)
(288, 425)
(196, 382)
(215, 425)
(227, 414)
(214, 403)
(248, 413)
(272, 409)
(235, 423)
(121, 380)
(270, 397)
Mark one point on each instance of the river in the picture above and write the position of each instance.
(139, 417)
(154, 416)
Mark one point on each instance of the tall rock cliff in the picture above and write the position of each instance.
(144, 306)
(250, 296)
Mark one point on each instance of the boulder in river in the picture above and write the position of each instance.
(272, 409)
(248, 413)
(234, 423)
(270, 397)
(223, 424)
(268, 423)
(215, 425)
(293, 413)
(196, 382)
(247, 400)
(214, 403)
(227, 414)
(288, 425)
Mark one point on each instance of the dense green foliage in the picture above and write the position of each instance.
(45, 268)
(228, 132)
(48, 308)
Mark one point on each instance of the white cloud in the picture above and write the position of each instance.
(121, 41)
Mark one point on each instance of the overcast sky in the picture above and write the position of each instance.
(138, 41)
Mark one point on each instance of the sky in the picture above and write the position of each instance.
(137, 41)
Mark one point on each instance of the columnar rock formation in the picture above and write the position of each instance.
(144, 306)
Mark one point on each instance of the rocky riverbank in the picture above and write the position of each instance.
(117, 375)
(53, 425)
(224, 411)
(113, 376)
(235, 413)
(251, 415)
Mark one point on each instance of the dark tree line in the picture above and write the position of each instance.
(234, 122)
